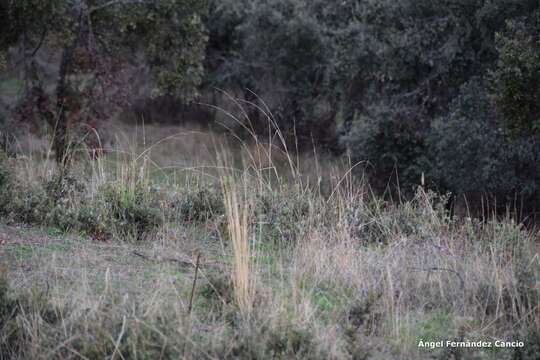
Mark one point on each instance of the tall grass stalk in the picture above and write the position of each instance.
(238, 207)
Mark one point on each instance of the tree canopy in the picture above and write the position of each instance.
(390, 82)
(416, 88)
(102, 44)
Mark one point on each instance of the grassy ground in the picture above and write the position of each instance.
(179, 244)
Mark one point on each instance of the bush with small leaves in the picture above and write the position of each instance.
(198, 205)
(516, 78)
(64, 189)
(30, 205)
(392, 149)
(93, 222)
(282, 217)
(379, 221)
(133, 212)
(472, 153)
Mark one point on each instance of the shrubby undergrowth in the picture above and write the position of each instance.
(287, 270)
(65, 202)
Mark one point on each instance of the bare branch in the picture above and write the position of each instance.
(112, 3)
(41, 40)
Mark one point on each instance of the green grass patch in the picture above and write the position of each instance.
(20, 251)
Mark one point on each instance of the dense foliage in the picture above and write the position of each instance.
(445, 89)
(101, 48)
(442, 90)
(472, 152)
(517, 74)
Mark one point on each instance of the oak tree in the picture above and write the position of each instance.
(101, 46)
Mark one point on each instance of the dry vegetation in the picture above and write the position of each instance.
(298, 259)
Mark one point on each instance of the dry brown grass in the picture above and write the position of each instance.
(238, 210)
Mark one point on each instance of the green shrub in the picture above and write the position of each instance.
(380, 222)
(116, 210)
(30, 204)
(63, 196)
(63, 218)
(392, 148)
(282, 216)
(472, 154)
(53, 202)
(64, 189)
(516, 78)
(198, 204)
(131, 212)
(93, 221)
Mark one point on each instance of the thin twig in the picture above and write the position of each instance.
(190, 306)
(112, 3)
(119, 339)
(175, 260)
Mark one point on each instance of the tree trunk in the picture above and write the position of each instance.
(60, 140)
(65, 98)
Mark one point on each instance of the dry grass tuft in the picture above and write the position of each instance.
(238, 210)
